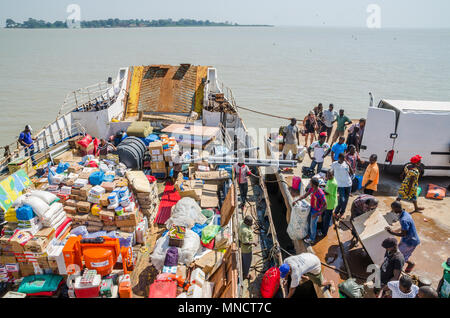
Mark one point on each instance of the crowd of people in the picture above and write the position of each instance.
(330, 201)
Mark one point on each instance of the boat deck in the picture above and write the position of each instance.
(433, 226)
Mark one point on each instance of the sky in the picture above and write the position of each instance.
(328, 13)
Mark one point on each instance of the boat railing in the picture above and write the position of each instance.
(86, 95)
(227, 93)
(45, 139)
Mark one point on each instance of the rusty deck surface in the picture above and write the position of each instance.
(169, 89)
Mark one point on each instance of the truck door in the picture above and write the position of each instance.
(379, 133)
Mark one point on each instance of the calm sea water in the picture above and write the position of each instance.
(281, 70)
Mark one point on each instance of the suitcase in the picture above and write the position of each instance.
(163, 289)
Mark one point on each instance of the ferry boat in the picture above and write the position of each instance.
(185, 102)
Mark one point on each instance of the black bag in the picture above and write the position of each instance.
(307, 172)
(355, 183)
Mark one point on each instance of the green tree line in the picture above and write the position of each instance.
(113, 23)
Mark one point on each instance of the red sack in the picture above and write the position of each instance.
(151, 179)
(96, 143)
(270, 282)
(85, 141)
(92, 164)
(210, 245)
(163, 289)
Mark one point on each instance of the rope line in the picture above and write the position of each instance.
(265, 114)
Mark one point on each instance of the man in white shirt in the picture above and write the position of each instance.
(303, 266)
(403, 288)
(342, 174)
(241, 173)
(321, 150)
(329, 117)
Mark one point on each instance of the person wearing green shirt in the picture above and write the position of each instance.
(246, 239)
(444, 285)
(331, 198)
(342, 123)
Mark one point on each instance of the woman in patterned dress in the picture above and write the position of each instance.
(408, 188)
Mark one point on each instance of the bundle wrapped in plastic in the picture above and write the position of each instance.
(186, 213)
(298, 224)
(191, 246)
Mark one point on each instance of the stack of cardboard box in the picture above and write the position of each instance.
(23, 254)
(158, 165)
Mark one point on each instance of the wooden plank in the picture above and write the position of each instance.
(228, 207)
(219, 280)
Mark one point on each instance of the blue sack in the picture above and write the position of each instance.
(24, 213)
(149, 139)
(197, 228)
(62, 167)
(108, 178)
(96, 178)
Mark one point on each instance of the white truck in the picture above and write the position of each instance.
(396, 130)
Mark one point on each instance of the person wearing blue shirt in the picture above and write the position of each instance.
(27, 141)
(410, 240)
(339, 147)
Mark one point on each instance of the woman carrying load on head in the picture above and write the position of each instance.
(408, 188)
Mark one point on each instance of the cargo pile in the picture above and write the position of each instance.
(84, 197)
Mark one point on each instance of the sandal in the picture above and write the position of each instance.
(409, 268)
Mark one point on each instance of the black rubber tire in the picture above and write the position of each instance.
(130, 157)
(134, 140)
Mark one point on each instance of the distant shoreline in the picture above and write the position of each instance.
(117, 23)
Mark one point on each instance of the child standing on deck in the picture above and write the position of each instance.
(331, 198)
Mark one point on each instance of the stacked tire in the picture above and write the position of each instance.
(131, 152)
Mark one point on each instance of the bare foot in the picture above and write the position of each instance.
(418, 209)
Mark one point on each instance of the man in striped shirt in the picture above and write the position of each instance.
(318, 206)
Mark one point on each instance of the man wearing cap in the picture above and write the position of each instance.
(291, 139)
(303, 266)
(444, 285)
(26, 140)
(321, 150)
(408, 188)
(246, 239)
(410, 240)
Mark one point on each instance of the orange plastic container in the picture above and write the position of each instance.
(99, 258)
(125, 287)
